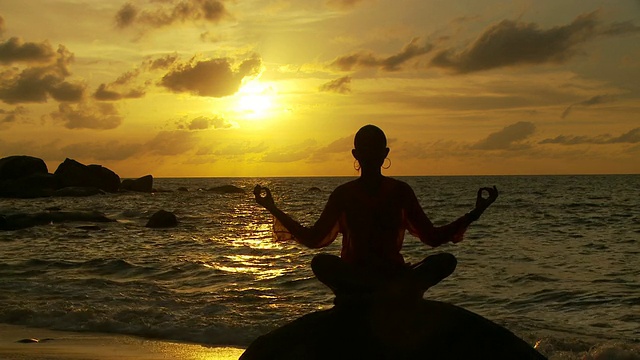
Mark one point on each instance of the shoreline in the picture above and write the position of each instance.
(101, 346)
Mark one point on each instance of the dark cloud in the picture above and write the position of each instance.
(161, 63)
(12, 116)
(509, 138)
(215, 77)
(37, 84)
(126, 15)
(596, 100)
(100, 116)
(512, 43)
(166, 13)
(103, 93)
(15, 50)
(341, 85)
(391, 63)
(630, 137)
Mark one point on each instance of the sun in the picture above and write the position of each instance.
(255, 99)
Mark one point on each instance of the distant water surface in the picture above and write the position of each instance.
(555, 260)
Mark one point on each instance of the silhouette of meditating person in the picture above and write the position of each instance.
(373, 213)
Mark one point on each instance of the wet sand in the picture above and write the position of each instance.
(98, 346)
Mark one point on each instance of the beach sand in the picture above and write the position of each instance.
(97, 346)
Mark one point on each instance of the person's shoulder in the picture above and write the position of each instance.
(400, 187)
(344, 188)
(398, 183)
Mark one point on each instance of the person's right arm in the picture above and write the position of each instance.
(321, 234)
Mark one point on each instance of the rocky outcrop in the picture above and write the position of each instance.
(162, 219)
(389, 330)
(226, 189)
(21, 221)
(20, 166)
(73, 173)
(142, 184)
(23, 176)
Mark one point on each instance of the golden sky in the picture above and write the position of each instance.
(178, 88)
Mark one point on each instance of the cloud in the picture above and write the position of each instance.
(99, 116)
(2, 26)
(124, 87)
(204, 123)
(12, 116)
(171, 143)
(391, 63)
(105, 94)
(214, 77)
(508, 138)
(341, 85)
(169, 12)
(301, 151)
(38, 83)
(163, 62)
(596, 100)
(512, 43)
(241, 148)
(16, 50)
(107, 151)
(630, 137)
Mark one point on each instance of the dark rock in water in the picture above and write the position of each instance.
(21, 221)
(227, 189)
(182, 188)
(73, 173)
(162, 219)
(314, 189)
(77, 191)
(28, 341)
(391, 330)
(33, 340)
(142, 184)
(19, 166)
(31, 186)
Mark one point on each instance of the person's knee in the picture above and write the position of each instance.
(448, 261)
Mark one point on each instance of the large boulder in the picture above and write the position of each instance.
(23, 176)
(141, 184)
(389, 330)
(72, 173)
(19, 166)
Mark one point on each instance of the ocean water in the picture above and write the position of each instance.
(555, 260)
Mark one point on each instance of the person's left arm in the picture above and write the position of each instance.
(421, 226)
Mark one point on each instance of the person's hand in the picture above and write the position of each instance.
(483, 203)
(267, 200)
